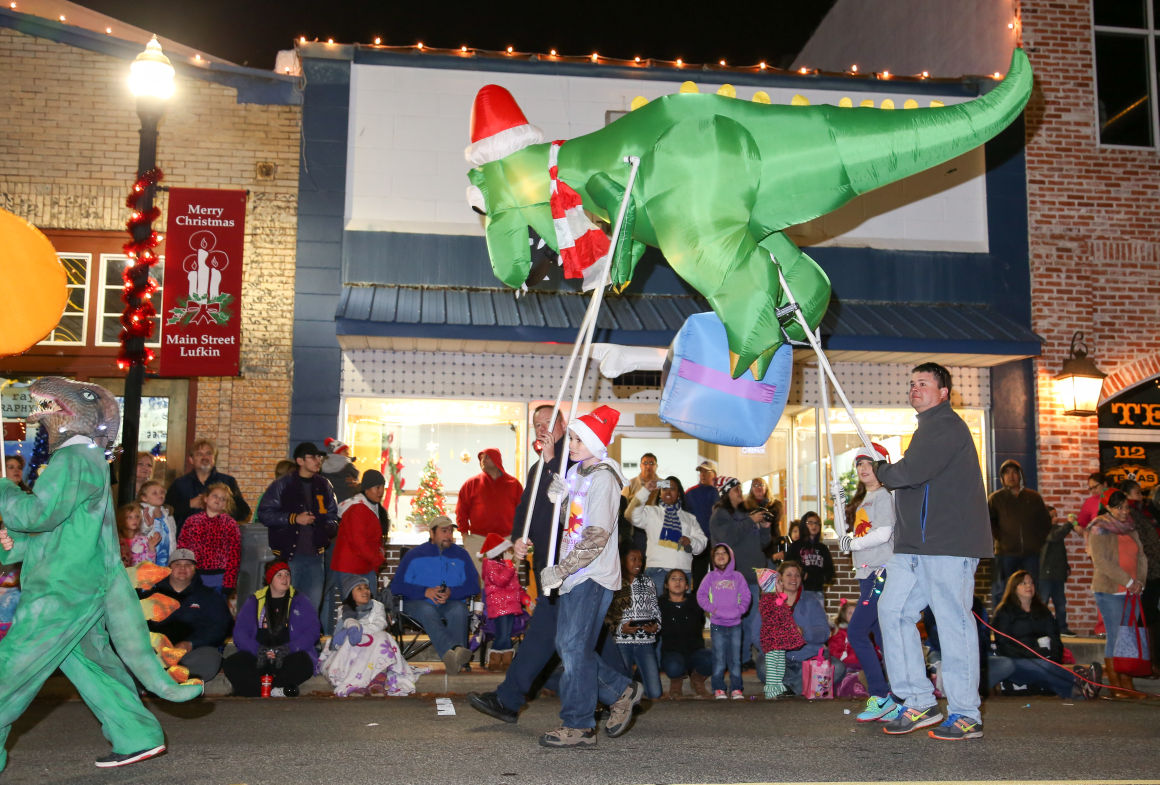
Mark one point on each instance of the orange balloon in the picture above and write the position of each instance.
(35, 290)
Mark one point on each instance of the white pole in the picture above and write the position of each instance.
(586, 337)
(589, 316)
(822, 361)
(835, 486)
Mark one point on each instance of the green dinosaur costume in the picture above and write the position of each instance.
(720, 180)
(76, 595)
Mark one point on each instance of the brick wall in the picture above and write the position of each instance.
(68, 155)
(1095, 257)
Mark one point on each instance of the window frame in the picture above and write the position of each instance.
(104, 286)
(1151, 35)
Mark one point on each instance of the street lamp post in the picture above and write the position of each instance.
(151, 82)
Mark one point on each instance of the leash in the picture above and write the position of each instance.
(1061, 666)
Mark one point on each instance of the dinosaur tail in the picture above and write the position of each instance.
(130, 636)
(891, 145)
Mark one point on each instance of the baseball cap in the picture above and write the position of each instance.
(707, 464)
(307, 448)
(181, 554)
(440, 520)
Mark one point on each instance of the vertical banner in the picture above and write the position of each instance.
(201, 322)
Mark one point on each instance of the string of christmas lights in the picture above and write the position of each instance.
(138, 318)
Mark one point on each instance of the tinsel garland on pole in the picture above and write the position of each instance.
(137, 320)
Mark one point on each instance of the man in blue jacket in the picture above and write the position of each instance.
(301, 513)
(941, 531)
(437, 579)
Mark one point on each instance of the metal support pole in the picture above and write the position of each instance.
(150, 112)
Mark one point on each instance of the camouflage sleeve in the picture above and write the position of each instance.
(592, 541)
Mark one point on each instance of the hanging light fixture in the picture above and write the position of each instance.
(1080, 381)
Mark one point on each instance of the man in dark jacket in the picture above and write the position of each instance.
(301, 514)
(539, 645)
(187, 493)
(940, 534)
(202, 623)
(1020, 525)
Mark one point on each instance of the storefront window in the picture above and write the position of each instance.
(451, 432)
(889, 427)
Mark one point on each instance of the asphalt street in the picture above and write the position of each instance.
(229, 741)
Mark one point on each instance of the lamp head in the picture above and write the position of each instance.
(151, 74)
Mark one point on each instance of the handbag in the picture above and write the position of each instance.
(1131, 656)
(851, 687)
(818, 677)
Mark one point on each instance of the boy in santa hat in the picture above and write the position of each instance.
(586, 574)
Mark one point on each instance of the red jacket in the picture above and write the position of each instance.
(358, 549)
(502, 592)
(486, 505)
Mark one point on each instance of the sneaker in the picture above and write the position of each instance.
(720, 695)
(620, 713)
(956, 728)
(488, 703)
(893, 714)
(114, 759)
(913, 719)
(569, 737)
(1067, 632)
(737, 695)
(876, 709)
(1087, 688)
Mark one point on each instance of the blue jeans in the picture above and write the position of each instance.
(658, 575)
(1005, 567)
(503, 632)
(536, 650)
(946, 584)
(307, 573)
(1056, 592)
(864, 630)
(644, 657)
(586, 677)
(445, 625)
(676, 665)
(1023, 670)
(726, 656)
(1112, 612)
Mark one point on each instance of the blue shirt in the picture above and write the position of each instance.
(700, 500)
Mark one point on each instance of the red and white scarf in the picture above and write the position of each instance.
(580, 242)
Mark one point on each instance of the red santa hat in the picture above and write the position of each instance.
(336, 447)
(879, 453)
(595, 429)
(498, 127)
(493, 545)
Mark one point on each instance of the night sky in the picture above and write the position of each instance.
(250, 32)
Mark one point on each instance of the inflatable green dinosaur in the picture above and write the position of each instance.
(720, 180)
(76, 595)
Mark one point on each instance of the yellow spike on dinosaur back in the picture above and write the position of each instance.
(689, 87)
(727, 90)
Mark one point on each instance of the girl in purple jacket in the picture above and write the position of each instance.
(724, 594)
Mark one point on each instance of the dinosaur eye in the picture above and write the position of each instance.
(88, 395)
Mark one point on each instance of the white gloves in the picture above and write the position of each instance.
(550, 578)
(557, 489)
(845, 542)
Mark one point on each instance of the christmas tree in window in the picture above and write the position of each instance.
(428, 501)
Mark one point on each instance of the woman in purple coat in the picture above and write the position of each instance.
(275, 633)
